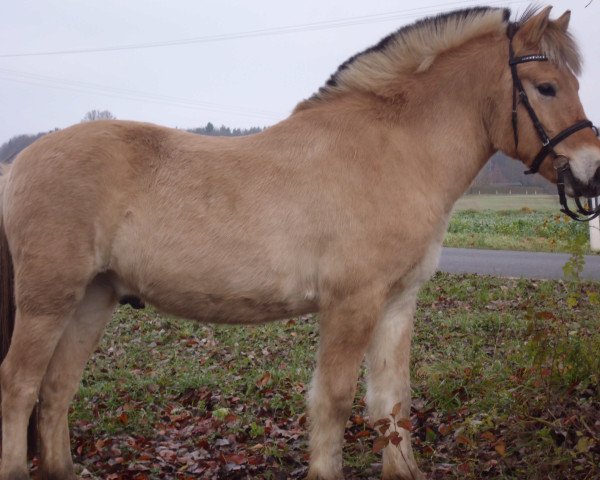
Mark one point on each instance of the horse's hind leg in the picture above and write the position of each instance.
(34, 338)
(388, 380)
(345, 330)
(63, 375)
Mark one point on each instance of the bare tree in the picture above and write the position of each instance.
(93, 115)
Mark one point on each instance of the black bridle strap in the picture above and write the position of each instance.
(582, 209)
(519, 91)
(549, 146)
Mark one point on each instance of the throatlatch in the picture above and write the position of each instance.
(564, 171)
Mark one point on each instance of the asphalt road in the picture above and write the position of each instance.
(502, 263)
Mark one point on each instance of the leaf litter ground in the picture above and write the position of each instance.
(505, 386)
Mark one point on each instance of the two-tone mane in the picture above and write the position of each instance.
(413, 49)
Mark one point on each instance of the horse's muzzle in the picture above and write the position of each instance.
(574, 187)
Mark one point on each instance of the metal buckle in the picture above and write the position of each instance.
(561, 165)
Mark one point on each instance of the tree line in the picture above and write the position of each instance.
(10, 149)
(501, 171)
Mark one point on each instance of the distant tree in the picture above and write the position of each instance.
(502, 170)
(93, 115)
(10, 149)
(224, 131)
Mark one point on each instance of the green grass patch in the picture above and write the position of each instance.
(529, 230)
(505, 379)
(508, 202)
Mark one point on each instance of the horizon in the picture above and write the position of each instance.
(252, 67)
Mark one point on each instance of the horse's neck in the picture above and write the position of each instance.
(449, 122)
(432, 132)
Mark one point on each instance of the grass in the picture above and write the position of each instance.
(505, 379)
(537, 231)
(508, 202)
(514, 222)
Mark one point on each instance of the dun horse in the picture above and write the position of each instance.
(340, 209)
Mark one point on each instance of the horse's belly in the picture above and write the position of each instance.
(214, 262)
(216, 308)
(218, 292)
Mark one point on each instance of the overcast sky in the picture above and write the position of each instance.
(254, 79)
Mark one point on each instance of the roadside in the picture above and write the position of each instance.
(515, 222)
(512, 264)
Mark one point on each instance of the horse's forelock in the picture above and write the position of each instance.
(558, 45)
(561, 48)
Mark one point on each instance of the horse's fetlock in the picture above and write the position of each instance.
(15, 475)
(314, 475)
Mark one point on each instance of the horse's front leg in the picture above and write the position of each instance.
(388, 380)
(345, 331)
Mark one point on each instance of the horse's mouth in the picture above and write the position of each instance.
(576, 188)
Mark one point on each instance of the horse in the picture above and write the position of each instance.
(339, 209)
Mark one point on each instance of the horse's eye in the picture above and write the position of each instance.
(546, 89)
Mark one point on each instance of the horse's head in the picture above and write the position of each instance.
(543, 85)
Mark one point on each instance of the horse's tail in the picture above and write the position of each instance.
(7, 298)
(7, 306)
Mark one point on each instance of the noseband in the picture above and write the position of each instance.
(563, 171)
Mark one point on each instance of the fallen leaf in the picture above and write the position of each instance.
(500, 447)
(262, 381)
(380, 443)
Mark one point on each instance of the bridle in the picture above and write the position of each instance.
(563, 170)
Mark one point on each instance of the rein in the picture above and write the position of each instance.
(563, 171)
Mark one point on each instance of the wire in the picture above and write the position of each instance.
(315, 26)
(131, 94)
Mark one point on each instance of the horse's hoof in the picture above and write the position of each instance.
(54, 475)
(414, 475)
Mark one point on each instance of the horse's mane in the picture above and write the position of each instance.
(414, 48)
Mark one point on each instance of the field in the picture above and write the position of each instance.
(508, 202)
(505, 376)
(515, 222)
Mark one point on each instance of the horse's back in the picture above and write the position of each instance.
(186, 222)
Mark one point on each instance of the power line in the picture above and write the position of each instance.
(315, 26)
(131, 94)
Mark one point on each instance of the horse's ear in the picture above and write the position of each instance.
(533, 29)
(562, 22)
